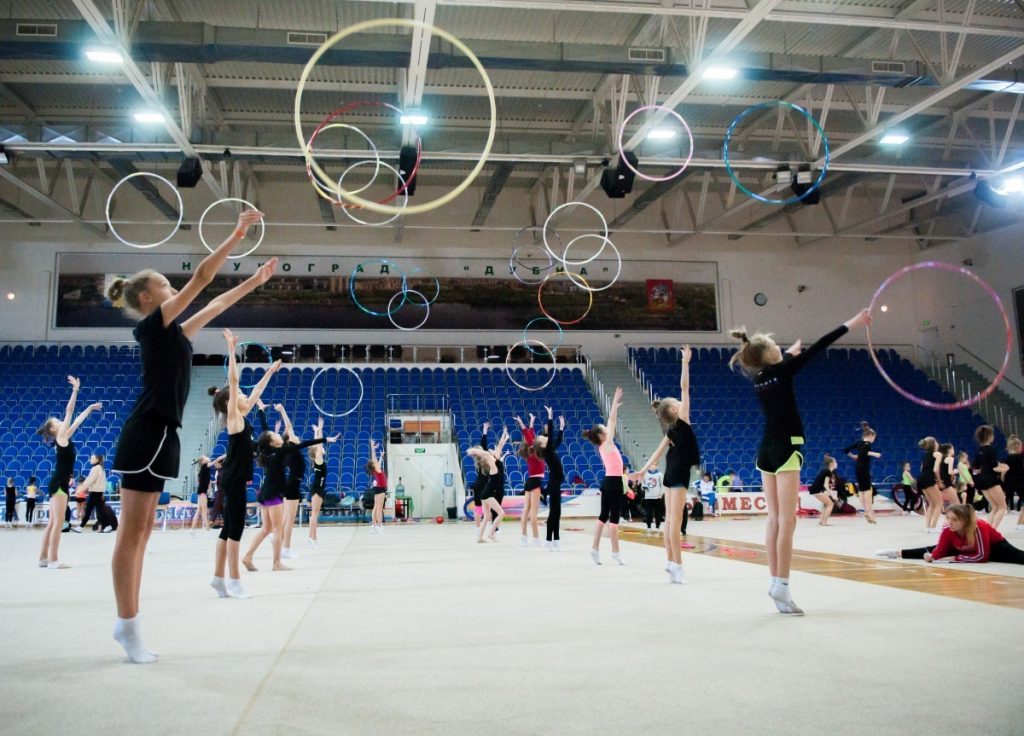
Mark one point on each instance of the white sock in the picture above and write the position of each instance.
(219, 585)
(128, 634)
(595, 556)
(781, 590)
(618, 558)
(771, 586)
(235, 589)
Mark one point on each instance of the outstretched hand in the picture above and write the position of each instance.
(796, 348)
(332, 439)
(264, 272)
(861, 319)
(95, 407)
(247, 219)
(231, 338)
(561, 423)
(75, 383)
(686, 353)
(550, 411)
(275, 366)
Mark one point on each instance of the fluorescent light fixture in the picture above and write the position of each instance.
(104, 56)
(661, 134)
(804, 176)
(894, 139)
(720, 72)
(413, 118)
(1012, 185)
(10, 296)
(3, 157)
(149, 116)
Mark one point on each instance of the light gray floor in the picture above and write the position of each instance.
(422, 631)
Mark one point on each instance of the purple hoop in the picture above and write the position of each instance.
(952, 268)
(677, 116)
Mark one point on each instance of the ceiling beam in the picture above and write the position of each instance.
(98, 22)
(53, 204)
(144, 186)
(652, 194)
(499, 177)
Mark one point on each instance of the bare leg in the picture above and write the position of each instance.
(314, 515)
(934, 499)
(276, 519)
(220, 557)
(598, 531)
(534, 511)
(44, 552)
(867, 499)
(232, 550)
(378, 509)
(771, 539)
(525, 515)
(997, 500)
(136, 523)
(613, 530)
(262, 534)
(826, 508)
(290, 509)
(948, 493)
(58, 505)
(674, 499)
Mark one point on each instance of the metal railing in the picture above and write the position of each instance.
(945, 374)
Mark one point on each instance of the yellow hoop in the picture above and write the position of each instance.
(365, 203)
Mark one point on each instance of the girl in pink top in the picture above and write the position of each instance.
(535, 467)
(603, 435)
(380, 488)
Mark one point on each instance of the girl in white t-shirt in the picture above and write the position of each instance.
(654, 502)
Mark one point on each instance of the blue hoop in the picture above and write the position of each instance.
(352, 287)
(526, 330)
(760, 198)
(242, 345)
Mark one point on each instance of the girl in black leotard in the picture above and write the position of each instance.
(683, 455)
(928, 482)
(491, 463)
(987, 474)
(296, 464)
(865, 488)
(202, 494)
(318, 486)
(822, 487)
(232, 406)
(548, 445)
(1013, 478)
(273, 455)
(480, 482)
(947, 474)
(780, 456)
(59, 432)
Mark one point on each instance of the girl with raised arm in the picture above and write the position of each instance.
(864, 457)
(548, 445)
(380, 487)
(59, 432)
(296, 462)
(232, 406)
(493, 467)
(780, 456)
(148, 448)
(318, 486)
(534, 481)
(683, 454)
(612, 491)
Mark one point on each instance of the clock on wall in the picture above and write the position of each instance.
(760, 299)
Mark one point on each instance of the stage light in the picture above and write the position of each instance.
(149, 116)
(1012, 185)
(104, 56)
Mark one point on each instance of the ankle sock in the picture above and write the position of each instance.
(219, 585)
(128, 634)
(235, 589)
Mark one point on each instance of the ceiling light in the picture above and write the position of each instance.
(894, 139)
(720, 72)
(149, 116)
(104, 56)
(661, 134)
(413, 118)
(3, 157)
(10, 296)
(1012, 185)
(885, 308)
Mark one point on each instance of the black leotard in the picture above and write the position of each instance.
(818, 486)
(204, 479)
(863, 469)
(926, 478)
(556, 473)
(63, 468)
(238, 462)
(319, 481)
(683, 454)
(1014, 478)
(985, 462)
(274, 459)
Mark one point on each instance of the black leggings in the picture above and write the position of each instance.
(554, 495)
(30, 509)
(1002, 551)
(234, 512)
(611, 499)
(911, 498)
(686, 516)
(92, 501)
(654, 511)
(9, 511)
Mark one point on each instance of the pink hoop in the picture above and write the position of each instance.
(677, 116)
(988, 290)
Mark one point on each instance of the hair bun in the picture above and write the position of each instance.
(115, 292)
(212, 391)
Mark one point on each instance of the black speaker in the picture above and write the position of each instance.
(618, 182)
(190, 172)
(406, 163)
(802, 182)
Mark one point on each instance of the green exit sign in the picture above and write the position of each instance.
(421, 450)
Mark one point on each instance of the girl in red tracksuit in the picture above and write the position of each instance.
(966, 539)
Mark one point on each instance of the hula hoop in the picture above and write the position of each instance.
(547, 222)
(341, 414)
(514, 262)
(1006, 323)
(270, 361)
(316, 182)
(143, 246)
(385, 164)
(540, 299)
(400, 23)
(526, 330)
(404, 293)
(508, 370)
(761, 198)
(618, 256)
(352, 286)
(437, 284)
(263, 227)
(677, 116)
(319, 183)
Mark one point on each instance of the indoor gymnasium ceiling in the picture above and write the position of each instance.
(944, 73)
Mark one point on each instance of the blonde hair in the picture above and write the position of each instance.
(130, 289)
(753, 352)
(929, 444)
(661, 408)
(866, 431)
(1013, 443)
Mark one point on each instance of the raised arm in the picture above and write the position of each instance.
(69, 410)
(220, 303)
(684, 384)
(261, 413)
(374, 455)
(613, 416)
(501, 442)
(288, 429)
(81, 418)
(261, 386)
(653, 459)
(483, 435)
(235, 419)
(318, 428)
(208, 268)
